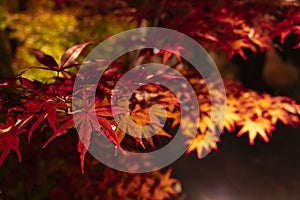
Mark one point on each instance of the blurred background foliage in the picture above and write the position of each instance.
(44, 26)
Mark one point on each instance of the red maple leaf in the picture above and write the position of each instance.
(9, 139)
(87, 125)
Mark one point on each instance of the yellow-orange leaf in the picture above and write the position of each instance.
(259, 127)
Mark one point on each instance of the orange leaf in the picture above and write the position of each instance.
(260, 127)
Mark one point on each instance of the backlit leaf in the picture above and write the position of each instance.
(45, 59)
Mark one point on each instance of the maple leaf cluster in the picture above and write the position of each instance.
(247, 111)
(39, 104)
(258, 113)
(49, 103)
(154, 185)
(232, 25)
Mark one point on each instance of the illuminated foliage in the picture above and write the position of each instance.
(232, 25)
(155, 185)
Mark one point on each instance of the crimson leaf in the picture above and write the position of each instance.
(45, 59)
